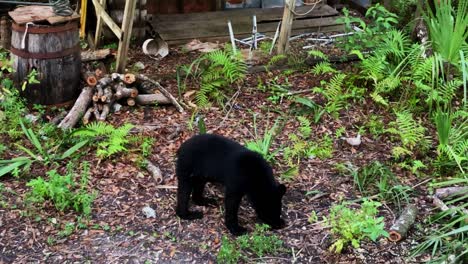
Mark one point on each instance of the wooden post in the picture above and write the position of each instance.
(97, 37)
(286, 26)
(127, 25)
(83, 13)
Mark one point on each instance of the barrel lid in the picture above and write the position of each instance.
(33, 13)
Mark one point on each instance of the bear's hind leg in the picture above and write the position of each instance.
(184, 189)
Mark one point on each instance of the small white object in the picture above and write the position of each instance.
(32, 118)
(116, 107)
(139, 65)
(149, 212)
(353, 141)
(155, 47)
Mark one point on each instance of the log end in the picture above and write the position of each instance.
(394, 236)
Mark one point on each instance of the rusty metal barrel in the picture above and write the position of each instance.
(54, 52)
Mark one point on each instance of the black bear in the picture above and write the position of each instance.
(213, 158)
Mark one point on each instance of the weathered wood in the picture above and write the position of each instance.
(155, 171)
(443, 193)
(78, 109)
(143, 78)
(56, 58)
(201, 31)
(131, 101)
(146, 88)
(286, 26)
(89, 78)
(99, 25)
(35, 13)
(93, 55)
(263, 14)
(129, 78)
(101, 12)
(123, 92)
(400, 228)
(87, 116)
(5, 32)
(127, 25)
(150, 99)
(107, 96)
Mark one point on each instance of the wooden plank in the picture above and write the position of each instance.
(99, 24)
(333, 28)
(127, 25)
(217, 30)
(25, 14)
(262, 14)
(101, 12)
(83, 13)
(286, 26)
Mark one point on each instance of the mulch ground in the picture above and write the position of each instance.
(118, 231)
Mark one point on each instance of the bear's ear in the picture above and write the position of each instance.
(281, 189)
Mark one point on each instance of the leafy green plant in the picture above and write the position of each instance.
(63, 191)
(110, 140)
(448, 28)
(258, 243)
(375, 125)
(410, 132)
(370, 35)
(262, 145)
(446, 240)
(351, 226)
(39, 154)
(215, 72)
(453, 138)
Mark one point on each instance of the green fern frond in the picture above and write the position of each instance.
(275, 59)
(323, 68)
(304, 127)
(378, 98)
(411, 133)
(318, 54)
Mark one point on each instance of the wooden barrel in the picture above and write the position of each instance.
(54, 52)
(5, 32)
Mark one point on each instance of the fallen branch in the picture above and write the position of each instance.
(79, 108)
(123, 92)
(155, 171)
(87, 116)
(451, 191)
(149, 99)
(400, 228)
(93, 55)
(143, 78)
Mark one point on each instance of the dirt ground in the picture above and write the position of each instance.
(118, 231)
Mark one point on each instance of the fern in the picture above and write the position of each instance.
(411, 133)
(215, 71)
(110, 140)
(304, 127)
(323, 68)
(318, 54)
(276, 59)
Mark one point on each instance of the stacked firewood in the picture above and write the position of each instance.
(103, 92)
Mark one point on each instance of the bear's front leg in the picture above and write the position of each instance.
(232, 203)
(184, 189)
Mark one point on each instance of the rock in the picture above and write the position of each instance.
(149, 212)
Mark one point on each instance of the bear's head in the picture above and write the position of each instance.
(270, 209)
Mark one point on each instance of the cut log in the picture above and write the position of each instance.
(93, 55)
(146, 88)
(155, 171)
(81, 104)
(400, 228)
(123, 92)
(87, 116)
(129, 78)
(143, 78)
(89, 78)
(131, 101)
(451, 191)
(107, 96)
(105, 111)
(150, 99)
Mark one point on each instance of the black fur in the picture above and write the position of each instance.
(213, 158)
